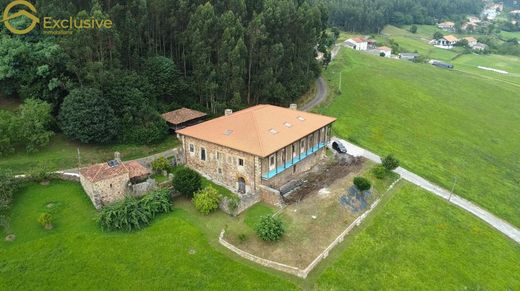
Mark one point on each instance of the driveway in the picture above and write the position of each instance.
(499, 224)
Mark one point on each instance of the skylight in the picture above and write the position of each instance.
(300, 118)
(287, 124)
(273, 131)
(228, 132)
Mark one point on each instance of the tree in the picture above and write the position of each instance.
(379, 172)
(32, 123)
(207, 200)
(362, 184)
(186, 181)
(413, 28)
(270, 228)
(438, 35)
(86, 116)
(390, 162)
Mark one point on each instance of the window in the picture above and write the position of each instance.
(293, 150)
(240, 162)
(202, 154)
(220, 156)
(271, 163)
(302, 146)
(219, 171)
(192, 148)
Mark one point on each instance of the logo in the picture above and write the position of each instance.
(6, 17)
(50, 25)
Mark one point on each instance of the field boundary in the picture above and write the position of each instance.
(302, 273)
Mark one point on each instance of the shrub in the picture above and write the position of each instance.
(362, 184)
(390, 162)
(206, 200)
(8, 185)
(186, 181)
(45, 220)
(132, 213)
(242, 237)
(161, 164)
(379, 172)
(270, 228)
(413, 28)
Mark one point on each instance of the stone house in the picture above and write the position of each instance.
(255, 151)
(109, 182)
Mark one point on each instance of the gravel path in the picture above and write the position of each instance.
(501, 225)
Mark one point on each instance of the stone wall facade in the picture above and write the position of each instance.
(106, 191)
(224, 166)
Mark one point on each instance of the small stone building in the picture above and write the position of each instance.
(257, 150)
(182, 118)
(109, 182)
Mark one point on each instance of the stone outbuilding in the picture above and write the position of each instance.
(255, 151)
(109, 182)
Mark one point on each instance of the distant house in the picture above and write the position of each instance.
(447, 41)
(109, 182)
(182, 118)
(357, 43)
(514, 12)
(385, 50)
(480, 46)
(408, 56)
(471, 41)
(447, 25)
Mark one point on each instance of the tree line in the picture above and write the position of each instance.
(106, 85)
(373, 15)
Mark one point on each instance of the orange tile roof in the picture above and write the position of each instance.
(450, 38)
(359, 39)
(384, 48)
(103, 171)
(259, 130)
(470, 39)
(182, 115)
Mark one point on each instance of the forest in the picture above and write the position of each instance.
(373, 15)
(110, 85)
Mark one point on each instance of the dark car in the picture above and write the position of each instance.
(339, 147)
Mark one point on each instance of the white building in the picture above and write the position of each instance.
(385, 50)
(357, 43)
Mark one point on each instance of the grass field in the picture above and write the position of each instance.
(442, 124)
(412, 241)
(62, 153)
(417, 242)
(77, 255)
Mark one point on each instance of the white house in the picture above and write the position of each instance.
(385, 50)
(471, 41)
(447, 25)
(447, 41)
(357, 43)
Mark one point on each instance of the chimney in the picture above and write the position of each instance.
(228, 112)
(117, 156)
(293, 106)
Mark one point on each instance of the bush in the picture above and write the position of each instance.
(45, 220)
(362, 184)
(186, 181)
(390, 162)
(8, 186)
(413, 28)
(132, 213)
(161, 164)
(379, 172)
(206, 200)
(270, 228)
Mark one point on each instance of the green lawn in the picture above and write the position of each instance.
(442, 124)
(417, 242)
(62, 153)
(77, 255)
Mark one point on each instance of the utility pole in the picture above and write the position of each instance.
(452, 188)
(79, 159)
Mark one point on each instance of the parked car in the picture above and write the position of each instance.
(339, 147)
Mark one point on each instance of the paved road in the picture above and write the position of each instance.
(321, 86)
(501, 225)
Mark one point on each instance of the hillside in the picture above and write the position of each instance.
(444, 125)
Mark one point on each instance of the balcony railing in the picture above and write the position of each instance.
(288, 164)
